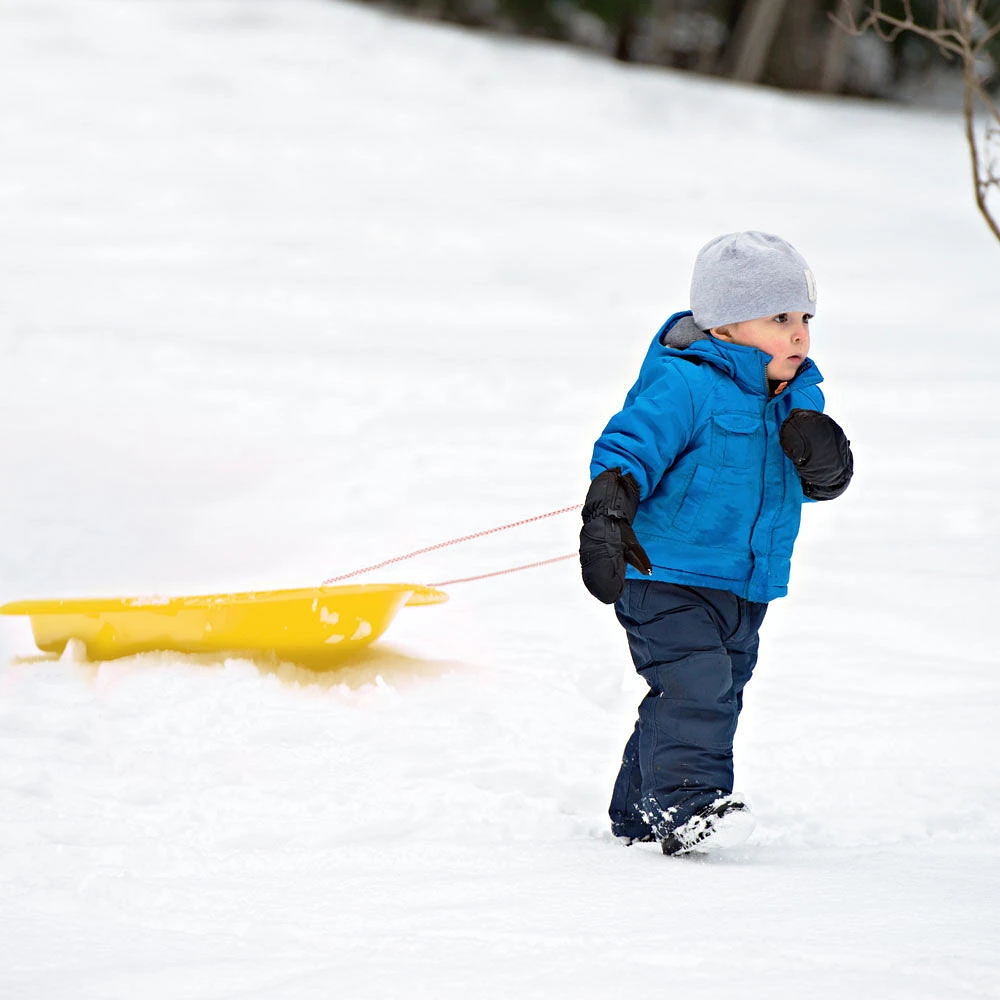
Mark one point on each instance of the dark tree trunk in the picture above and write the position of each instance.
(626, 33)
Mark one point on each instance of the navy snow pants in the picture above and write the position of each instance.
(696, 648)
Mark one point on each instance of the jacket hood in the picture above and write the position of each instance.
(681, 331)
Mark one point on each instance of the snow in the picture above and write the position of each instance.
(290, 288)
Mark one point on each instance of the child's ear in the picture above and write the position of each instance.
(722, 332)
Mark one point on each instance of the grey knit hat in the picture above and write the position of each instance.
(743, 276)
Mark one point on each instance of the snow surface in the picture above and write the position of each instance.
(291, 287)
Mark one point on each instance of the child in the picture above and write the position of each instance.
(698, 484)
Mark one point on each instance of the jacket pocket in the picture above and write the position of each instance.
(737, 436)
(694, 497)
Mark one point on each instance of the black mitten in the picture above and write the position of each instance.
(607, 541)
(820, 451)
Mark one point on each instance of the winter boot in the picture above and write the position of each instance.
(724, 823)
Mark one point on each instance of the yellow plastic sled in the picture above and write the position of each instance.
(314, 626)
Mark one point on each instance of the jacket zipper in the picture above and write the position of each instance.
(763, 483)
(768, 401)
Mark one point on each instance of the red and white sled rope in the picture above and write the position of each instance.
(458, 541)
(504, 572)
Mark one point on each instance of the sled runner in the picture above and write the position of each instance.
(313, 626)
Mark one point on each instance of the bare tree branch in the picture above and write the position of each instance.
(991, 34)
(962, 32)
(981, 183)
(889, 28)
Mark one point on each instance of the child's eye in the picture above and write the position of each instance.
(805, 318)
(781, 318)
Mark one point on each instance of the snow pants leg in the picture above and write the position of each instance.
(696, 648)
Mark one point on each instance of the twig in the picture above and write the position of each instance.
(958, 33)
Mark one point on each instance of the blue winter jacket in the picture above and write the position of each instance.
(719, 501)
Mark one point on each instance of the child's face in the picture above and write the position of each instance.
(784, 336)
